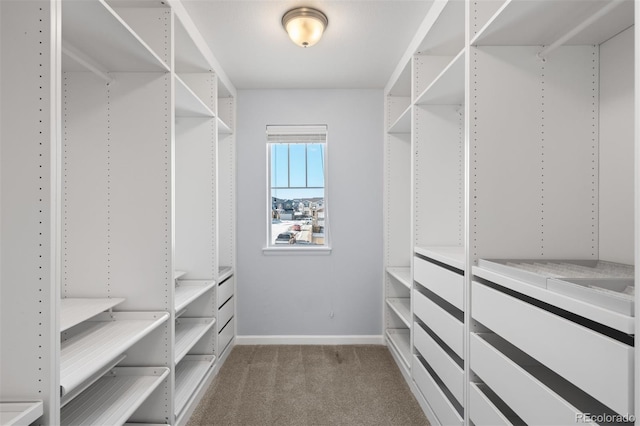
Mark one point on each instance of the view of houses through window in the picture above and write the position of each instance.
(298, 208)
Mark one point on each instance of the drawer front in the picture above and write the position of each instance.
(225, 313)
(599, 365)
(225, 337)
(445, 367)
(225, 291)
(443, 324)
(437, 400)
(530, 399)
(443, 282)
(482, 411)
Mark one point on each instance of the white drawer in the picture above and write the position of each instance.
(597, 364)
(225, 291)
(443, 282)
(529, 398)
(436, 398)
(225, 313)
(482, 411)
(445, 367)
(225, 337)
(444, 325)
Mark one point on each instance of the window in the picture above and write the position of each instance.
(297, 189)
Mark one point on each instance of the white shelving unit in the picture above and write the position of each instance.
(448, 87)
(20, 413)
(520, 143)
(115, 397)
(402, 275)
(75, 311)
(102, 340)
(120, 96)
(189, 377)
(188, 332)
(397, 214)
(402, 307)
(186, 291)
(400, 339)
(188, 104)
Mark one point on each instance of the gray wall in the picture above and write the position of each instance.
(294, 294)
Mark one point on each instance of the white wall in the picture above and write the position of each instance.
(294, 294)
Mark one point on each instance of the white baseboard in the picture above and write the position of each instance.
(310, 340)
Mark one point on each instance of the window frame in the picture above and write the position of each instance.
(271, 247)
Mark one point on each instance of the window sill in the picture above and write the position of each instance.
(286, 251)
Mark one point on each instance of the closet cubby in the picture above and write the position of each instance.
(226, 218)
(398, 103)
(19, 413)
(397, 213)
(114, 218)
(114, 209)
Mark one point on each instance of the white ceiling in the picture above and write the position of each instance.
(361, 47)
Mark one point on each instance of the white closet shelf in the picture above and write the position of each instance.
(400, 339)
(448, 87)
(541, 23)
(105, 338)
(612, 319)
(403, 123)
(224, 128)
(187, 103)
(76, 310)
(188, 332)
(188, 56)
(450, 255)
(224, 272)
(402, 274)
(178, 274)
(446, 34)
(87, 22)
(402, 307)
(189, 374)
(115, 397)
(189, 290)
(402, 86)
(20, 413)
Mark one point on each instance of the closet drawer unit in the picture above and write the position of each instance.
(225, 291)
(225, 313)
(436, 398)
(225, 337)
(482, 411)
(597, 364)
(533, 401)
(445, 367)
(443, 282)
(441, 322)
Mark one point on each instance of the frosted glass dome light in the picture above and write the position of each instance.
(305, 25)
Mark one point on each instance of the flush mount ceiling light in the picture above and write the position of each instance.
(305, 25)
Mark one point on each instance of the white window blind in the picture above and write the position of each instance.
(297, 134)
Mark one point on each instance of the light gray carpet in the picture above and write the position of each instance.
(309, 385)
